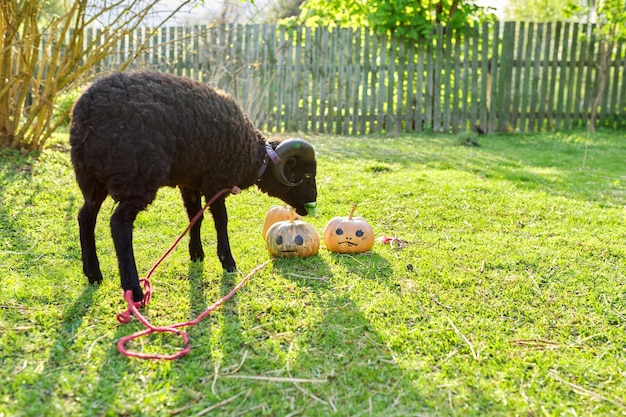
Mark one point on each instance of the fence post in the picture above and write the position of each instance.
(505, 78)
(485, 79)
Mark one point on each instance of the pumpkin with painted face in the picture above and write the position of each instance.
(348, 234)
(290, 238)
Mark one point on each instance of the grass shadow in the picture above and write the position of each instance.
(312, 271)
(196, 288)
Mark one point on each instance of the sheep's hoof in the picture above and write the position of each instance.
(95, 278)
(137, 294)
(196, 257)
(196, 253)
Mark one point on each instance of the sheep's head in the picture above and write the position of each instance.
(293, 178)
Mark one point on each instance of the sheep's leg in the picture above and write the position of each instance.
(220, 217)
(87, 223)
(193, 205)
(122, 232)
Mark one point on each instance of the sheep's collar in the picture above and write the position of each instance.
(270, 153)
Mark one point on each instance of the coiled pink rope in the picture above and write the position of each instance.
(133, 307)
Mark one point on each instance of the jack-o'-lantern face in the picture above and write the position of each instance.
(292, 238)
(348, 234)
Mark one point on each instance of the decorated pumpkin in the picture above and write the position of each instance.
(276, 214)
(348, 234)
(291, 238)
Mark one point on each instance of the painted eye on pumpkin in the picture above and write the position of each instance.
(359, 233)
(339, 232)
(299, 240)
(279, 240)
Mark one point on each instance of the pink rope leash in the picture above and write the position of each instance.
(133, 307)
(128, 296)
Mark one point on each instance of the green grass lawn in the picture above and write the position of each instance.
(510, 298)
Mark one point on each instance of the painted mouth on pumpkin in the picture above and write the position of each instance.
(348, 243)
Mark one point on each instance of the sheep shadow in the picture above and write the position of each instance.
(343, 345)
(205, 289)
(197, 299)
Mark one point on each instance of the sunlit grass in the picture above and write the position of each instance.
(508, 298)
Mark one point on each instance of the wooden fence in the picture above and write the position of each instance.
(501, 76)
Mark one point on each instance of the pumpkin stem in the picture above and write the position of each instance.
(352, 211)
(292, 215)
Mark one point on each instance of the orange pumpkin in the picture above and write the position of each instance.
(291, 238)
(276, 214)
(348, 234)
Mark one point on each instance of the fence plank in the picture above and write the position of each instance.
(485, 77)
(421, 98)
(562, 59)
(435, 87)
(494, 70)
(462, 82)
(602, 111)
(571, 78)
(380, 111)
(614, 88)
(388, 112)
(447, 80)
(553, 63)
(621, 93)
(518, 69)
(305, 80)
(456, 108)
(505, 78)
(322, 76)
(411, 103)
(474, 115)
(544, 65)
(580, 78)
(354, 73)
(343, 42)
(365, 83)
(315, 77)
(590, 66)
(536, 79)
(399, 88)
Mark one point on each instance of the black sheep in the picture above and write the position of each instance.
(133, 133)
